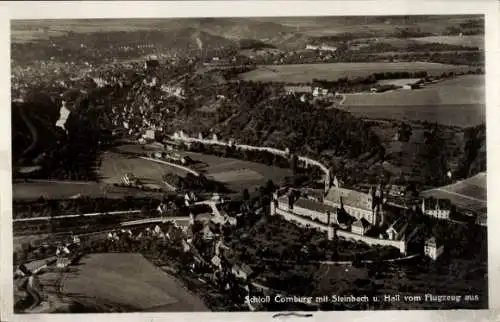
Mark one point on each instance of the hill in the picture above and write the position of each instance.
(281, 32)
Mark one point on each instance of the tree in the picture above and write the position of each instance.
(246, 195)
(294, 161)
(270, 187)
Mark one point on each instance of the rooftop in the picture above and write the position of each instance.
(350, 198)
(313, 205)
(398, 225)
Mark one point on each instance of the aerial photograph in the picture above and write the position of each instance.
(323, 163)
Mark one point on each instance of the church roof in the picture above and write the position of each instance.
(349, 198)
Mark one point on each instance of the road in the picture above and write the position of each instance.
(177, 219)
(172, 165)
(306, 160)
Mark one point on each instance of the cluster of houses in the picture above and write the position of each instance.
(309, 92)
(322, 47)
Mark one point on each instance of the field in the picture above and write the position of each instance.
(459, 101)
(304, 73)
(62, 190)
(115, 165)
(238, 174)
(26, 31)
(468, 89)
(470, 193)
(127, 281)
(398, 82)
(472, 41)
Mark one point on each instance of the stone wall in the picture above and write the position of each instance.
(304, 222)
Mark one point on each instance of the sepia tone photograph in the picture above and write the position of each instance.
(324, 163)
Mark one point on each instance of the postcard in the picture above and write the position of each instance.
(258, 162)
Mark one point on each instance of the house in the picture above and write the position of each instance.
(321, 48)
(360, 226)
(150, 134)
(231, 221)
(207, 233)
(242, 271)
(407, 87)
(298, 89)
(397, 229)
(328, 48)
(318, 91)
(481, 219)
(433, 248)
(438, 208)
(397, 190)
(129, 179)
(151, 63)
(216, 261)
(312, 47)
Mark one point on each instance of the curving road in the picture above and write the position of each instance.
(172, 165)
(306, 160)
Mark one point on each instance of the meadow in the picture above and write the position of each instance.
(305, 73)
(237, 174)
(469, 41)
(68, 189)
(467, 89)
(129, 281)
(470, 193)
(459, 101)
(115, 165)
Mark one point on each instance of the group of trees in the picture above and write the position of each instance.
(347, 85)
(470, 27)
(474, 159)
(70, 154)
(288, 123)
(414, 47)
(263, 157)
